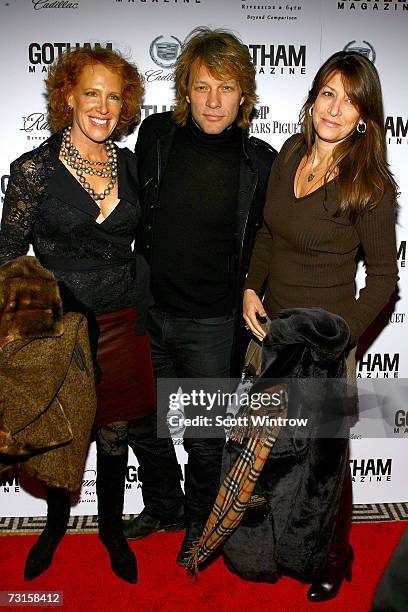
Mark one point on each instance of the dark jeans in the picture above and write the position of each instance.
(182, 348)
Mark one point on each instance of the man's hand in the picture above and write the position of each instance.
(252, 306)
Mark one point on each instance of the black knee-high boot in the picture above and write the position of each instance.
(110, 487)
(41, 554)
(341, 555)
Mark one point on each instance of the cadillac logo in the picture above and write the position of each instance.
(164, 52)
(365, 49)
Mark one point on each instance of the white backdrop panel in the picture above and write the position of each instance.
(288, 41)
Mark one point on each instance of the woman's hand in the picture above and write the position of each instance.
(252, 306)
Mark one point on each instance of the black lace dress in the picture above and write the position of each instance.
(47, 207)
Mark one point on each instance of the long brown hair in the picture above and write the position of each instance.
(226, 57)
(360, 159)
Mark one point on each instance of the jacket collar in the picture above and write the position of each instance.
(62, 185)
(165, 136)
(127, 176)
(245, 146)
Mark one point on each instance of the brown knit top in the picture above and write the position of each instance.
(305, 256)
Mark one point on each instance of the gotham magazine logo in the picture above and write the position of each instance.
(261, 124)
(401, 253)
(278, 59)
(164, 51)
(36, 126)
(151, 109)
(398, 317)
(132, 477)
(378, 365)
(364, 48)
(396, 130)
(9, 481)
(373, 5)
(401, 422)
(41, 55)
(258, 10)
(371, 470)
(54, 4)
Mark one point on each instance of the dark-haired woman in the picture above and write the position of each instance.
(330, 194)
(75, 200)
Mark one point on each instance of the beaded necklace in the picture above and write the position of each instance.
(109, 168)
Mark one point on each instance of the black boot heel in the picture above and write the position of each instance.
(110, 488)
(328, 585)
(348, 574)
(122, 558)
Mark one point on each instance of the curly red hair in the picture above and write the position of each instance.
(64, 74)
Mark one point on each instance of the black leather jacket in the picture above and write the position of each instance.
(153, 148)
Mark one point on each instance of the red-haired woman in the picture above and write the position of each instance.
(74, 199)
(330, 194)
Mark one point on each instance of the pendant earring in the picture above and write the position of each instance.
(310, 111)
(361, 127)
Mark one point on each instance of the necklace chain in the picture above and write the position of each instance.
(312, 174)
(73, 159)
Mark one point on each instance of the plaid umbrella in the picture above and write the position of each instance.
(236, 490)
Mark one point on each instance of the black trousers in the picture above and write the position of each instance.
(182, 348)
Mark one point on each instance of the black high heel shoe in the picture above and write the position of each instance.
(329, 582)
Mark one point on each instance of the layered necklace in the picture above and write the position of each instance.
(106, 169)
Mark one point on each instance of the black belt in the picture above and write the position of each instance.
(67, 264)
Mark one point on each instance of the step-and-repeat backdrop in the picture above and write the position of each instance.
(288, 41)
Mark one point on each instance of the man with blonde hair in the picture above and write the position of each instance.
(203, 183)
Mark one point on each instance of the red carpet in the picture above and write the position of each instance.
(81, 571)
